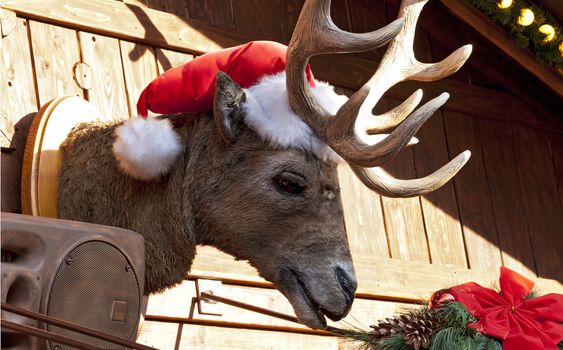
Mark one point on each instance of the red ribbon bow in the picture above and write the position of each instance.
(532, 324)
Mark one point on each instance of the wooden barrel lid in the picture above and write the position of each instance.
(42, 157)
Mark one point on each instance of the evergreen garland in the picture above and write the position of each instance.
(550, 52)
(453, 333)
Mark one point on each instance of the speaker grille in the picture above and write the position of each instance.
(95, 287)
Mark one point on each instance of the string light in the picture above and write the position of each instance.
(548, 31)
(530, 25)
(504, 4)
(526, 17)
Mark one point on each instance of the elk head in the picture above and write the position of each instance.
(279, 207)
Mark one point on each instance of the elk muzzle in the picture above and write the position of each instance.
(314, 296)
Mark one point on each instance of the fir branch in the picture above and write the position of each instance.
(456, 315)
(395, 342)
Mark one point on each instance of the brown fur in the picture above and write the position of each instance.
(222, 192)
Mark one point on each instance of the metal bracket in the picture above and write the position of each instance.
(207, 306)
(7, 22)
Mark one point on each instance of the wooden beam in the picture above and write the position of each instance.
(405, 281)
(504, 42)
(127, 21)
(553, 6)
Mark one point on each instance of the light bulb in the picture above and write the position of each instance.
(549, 32)
(504, 4)
(526, 17)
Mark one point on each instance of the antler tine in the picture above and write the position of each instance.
(348, 130)
(399, 64)
(379, 181)
(390, 119)
(315, 33)
(364, 155)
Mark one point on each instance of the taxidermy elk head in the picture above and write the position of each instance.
(256, 176)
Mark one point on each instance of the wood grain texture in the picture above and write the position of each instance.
(17, 100)
(557, 153)
(215, 12)
(467, 74)
(137, 2)
(167, 59)
(507, 197)
(404, 222)
(554, 6)
(139, 68)
(17, 91)
(541, 200)
(262, 22)
(291, 10)
(363, 216)
(177, 7)
(42, 159)
(464, 98)
(378, 278)
(124, 21)
(504, 42)
(55, 51)
(167, 31)
(366, 16)
(158, 334)
(103, 56)
(8, 22)
(220, 338)
(441, 217)
(180, 302)
(528, 88)
(473, 195)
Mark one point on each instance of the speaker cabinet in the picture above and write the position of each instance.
(91, 275)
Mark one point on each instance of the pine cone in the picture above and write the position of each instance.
(418, 329)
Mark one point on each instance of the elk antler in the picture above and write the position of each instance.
(348, 132)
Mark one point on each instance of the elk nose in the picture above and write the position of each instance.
(348, 284)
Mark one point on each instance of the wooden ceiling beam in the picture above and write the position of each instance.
(555, 7)
(497, 36)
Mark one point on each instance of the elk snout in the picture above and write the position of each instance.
(348, 285)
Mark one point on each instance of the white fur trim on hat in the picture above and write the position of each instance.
(268, 113)
(146, 148)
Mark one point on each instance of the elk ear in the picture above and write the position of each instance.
(227, 107)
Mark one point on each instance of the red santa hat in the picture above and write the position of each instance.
(147, 147)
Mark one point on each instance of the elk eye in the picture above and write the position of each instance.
(290, 183)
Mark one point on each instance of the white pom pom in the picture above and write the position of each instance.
(146, 148)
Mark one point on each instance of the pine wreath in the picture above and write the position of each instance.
(447, 324)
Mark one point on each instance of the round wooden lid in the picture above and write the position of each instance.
(42, 157)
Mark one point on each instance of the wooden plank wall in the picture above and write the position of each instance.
(469, 223)
(504, 208)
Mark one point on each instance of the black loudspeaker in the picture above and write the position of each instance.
(90, 275)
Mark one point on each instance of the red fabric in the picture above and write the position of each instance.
(191, 86)
(522, 324)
